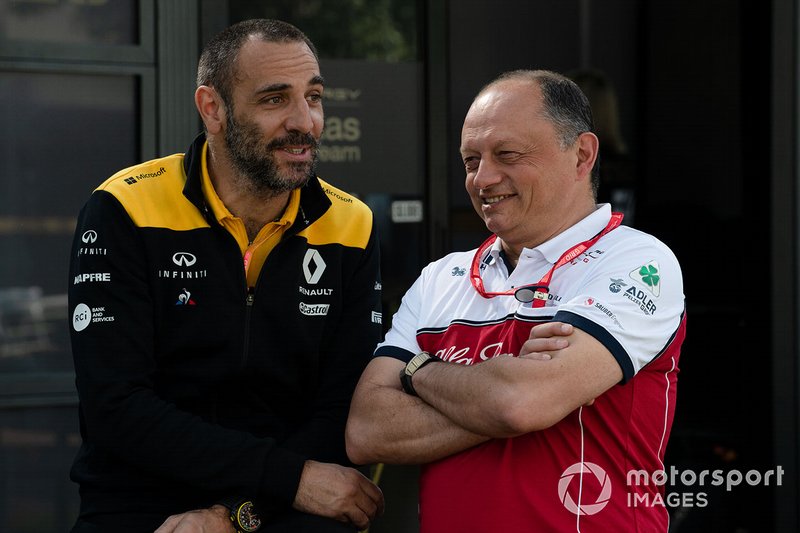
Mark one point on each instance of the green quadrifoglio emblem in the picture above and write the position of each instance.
(649, 276)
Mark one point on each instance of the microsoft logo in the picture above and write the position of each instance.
(130, 181)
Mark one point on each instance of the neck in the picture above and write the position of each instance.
(254, 208)
(513, 248)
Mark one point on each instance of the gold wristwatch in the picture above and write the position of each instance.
(417, 362)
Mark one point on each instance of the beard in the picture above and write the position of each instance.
(256, 161)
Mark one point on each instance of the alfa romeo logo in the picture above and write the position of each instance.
(579, 469)
(650, 276)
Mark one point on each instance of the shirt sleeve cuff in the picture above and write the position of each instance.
(282, 471)
(601, 335)
(395, 353)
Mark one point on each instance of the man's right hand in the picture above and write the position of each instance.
(338, 492)
(547, 337)
(544, 338)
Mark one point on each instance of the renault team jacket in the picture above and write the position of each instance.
(191, 387)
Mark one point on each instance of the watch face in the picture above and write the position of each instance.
(247, 518)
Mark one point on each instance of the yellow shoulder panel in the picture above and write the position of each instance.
(152, 194)
(347, 222)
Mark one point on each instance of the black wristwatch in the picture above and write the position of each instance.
(417, 362)
(243, 515)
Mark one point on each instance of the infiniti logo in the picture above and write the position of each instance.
(89, 236)
(184, 259)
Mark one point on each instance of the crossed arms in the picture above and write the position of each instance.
(559, 369)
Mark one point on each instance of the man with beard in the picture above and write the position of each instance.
(224, 303)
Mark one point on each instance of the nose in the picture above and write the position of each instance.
(486, 175)
(299, 117)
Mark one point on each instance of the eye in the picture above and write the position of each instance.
(272, 100)
(315, 98)
(471, 163)
(507, 155)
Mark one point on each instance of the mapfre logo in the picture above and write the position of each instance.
(580, 470)
(313, 266)
(184, 259)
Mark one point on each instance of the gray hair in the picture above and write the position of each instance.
(217, 65)
(564, 105)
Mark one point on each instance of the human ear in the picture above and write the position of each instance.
(588, 146)
(211, 108)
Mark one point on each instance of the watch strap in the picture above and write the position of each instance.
(416, 362)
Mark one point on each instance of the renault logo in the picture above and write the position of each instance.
(312, 256)
(89, 236)
(184, 259)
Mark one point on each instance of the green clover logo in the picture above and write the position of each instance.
(649, 275)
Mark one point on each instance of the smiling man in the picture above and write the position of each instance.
(225, 315)
(531, 374)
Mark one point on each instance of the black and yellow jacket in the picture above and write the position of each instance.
(191, 387)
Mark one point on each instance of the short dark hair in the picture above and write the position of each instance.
(564, 104)
(217, 65)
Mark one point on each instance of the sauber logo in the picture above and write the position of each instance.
(313, 256)
(89, 236)
(184, 259)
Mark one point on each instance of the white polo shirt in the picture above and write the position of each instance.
(626, 291)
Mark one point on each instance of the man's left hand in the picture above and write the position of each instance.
(213, 520)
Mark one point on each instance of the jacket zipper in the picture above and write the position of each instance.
(247, 311)
(251, 290)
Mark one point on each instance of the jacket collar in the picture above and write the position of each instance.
(313, 200)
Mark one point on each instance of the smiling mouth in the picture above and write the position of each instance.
(494, 199)
(296, 151)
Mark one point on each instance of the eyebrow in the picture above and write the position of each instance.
(277, 87)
